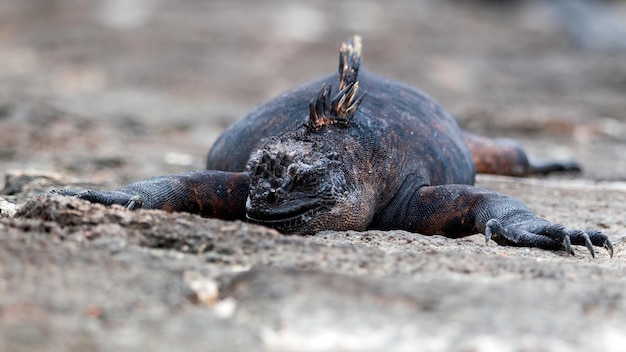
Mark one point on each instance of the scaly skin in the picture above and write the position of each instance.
(390, 158)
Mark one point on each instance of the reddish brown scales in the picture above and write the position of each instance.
(497, 157)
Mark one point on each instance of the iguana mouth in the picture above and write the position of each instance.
(284, 219)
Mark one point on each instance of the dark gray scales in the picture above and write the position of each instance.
(354, 151)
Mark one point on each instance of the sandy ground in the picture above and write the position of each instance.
(98, 94)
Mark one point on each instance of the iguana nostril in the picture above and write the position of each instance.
(271, 197)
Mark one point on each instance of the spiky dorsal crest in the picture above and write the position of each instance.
(324, 111)
(349, 61)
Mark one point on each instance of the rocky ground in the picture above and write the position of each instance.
(98, 94)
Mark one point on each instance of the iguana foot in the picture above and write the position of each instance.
(130, 201)
(215, 194)
(536, 232)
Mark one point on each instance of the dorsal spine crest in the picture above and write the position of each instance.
(349, 61)
(324, 111)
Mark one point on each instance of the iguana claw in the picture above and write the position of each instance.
(567, 243)
(609, 247)
(589, 245)
(135, 202)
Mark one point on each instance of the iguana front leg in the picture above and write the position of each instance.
(215, 194)
(462, 210)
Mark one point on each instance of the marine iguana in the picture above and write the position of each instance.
(388, 158)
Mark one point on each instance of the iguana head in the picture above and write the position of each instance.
(303, 182)
(297, 186)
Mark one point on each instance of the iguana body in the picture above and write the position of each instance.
(309, 160)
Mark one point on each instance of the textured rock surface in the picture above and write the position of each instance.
(78, 276)
(99, 94)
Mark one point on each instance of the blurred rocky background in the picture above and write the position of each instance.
(101, 93)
